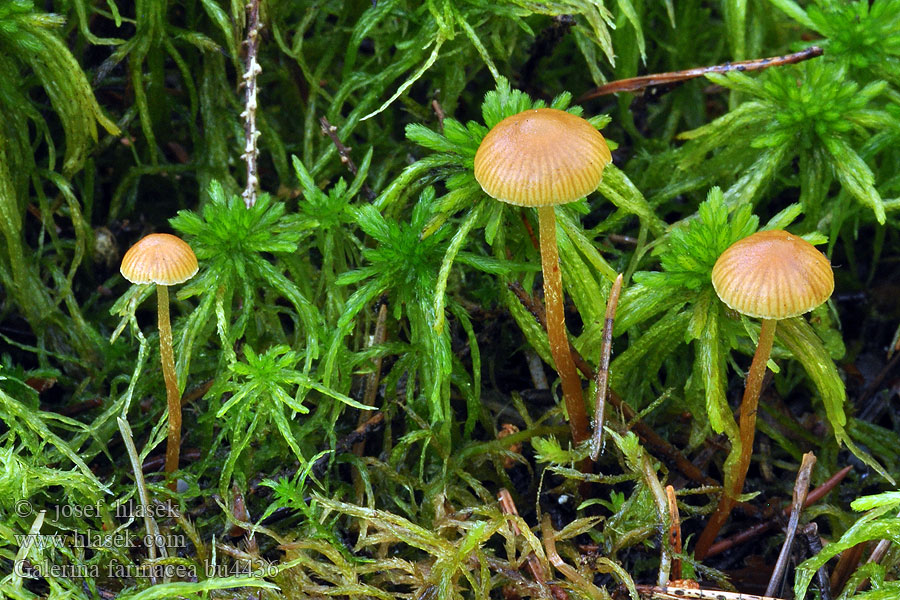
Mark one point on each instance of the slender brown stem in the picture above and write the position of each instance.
(634, 84)
(759, 529)
(173, 398)
(556, 326)
(734, 485)
(801, 491)
(674, 532)
(602, 377)
(344, 152)
(672, 455)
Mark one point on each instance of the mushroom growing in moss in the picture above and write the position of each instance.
(165, 260)
(770, 275)
(540, 158)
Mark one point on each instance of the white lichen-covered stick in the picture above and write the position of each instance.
(251, 133)
(647, 592)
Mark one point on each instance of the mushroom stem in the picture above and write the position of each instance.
(556, 326)
(173, 398)
(735, 484)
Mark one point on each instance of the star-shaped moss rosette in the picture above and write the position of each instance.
(863, 34)
(664, 309)
(677, 304)
(502, 224)
(455, 162)
(812, 114)
(267, 394)
(234, 244)
(333, 237)
(403, 267)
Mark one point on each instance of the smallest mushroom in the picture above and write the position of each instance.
(165, 260)
(770, 275)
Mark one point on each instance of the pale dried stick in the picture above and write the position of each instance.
(801, 489)
(757, 530)
(602, 378)
(652, 592)
(657, 443)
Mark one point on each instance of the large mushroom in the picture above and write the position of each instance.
(540, 158)
(770, 275)
(165, 260)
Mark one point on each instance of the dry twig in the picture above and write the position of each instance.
(750, 533)
(345, 444)
(657, 444)
(602, 378)
(801, 489)
(674, 532)
(634, 84)
(549, 539)
(374, 378)
(810, 534)
(344, 152)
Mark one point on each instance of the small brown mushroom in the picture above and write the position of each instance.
(165, 260)
(541, 158)
(770, 275)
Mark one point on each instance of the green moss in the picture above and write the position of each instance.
(357, 371)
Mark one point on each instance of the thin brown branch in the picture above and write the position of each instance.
(530, 230)
(439, 113)
(657, 445)
(549, 539)
(810, 533)
(633, 84)
(344, 152)
(846, 565)
(752, 532)
(878, 553)
(674, 532)
(801, 489)
(602, 378)
(374, 378)
(358, 435)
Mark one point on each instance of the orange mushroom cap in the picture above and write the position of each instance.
(773, 275)
(159, 258)
(541, 157)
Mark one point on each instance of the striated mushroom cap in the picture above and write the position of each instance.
(541, 157)
(159, 258)
(773, 275)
